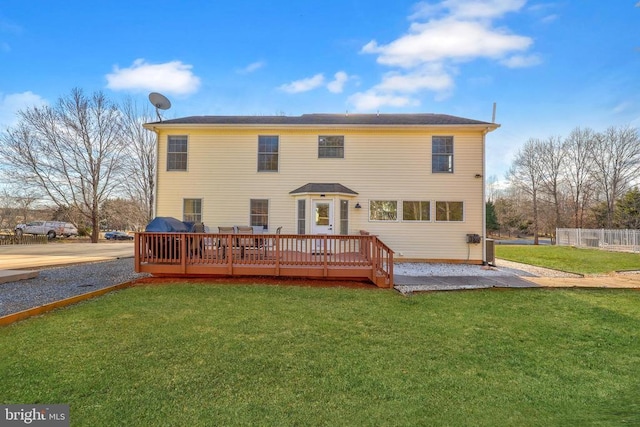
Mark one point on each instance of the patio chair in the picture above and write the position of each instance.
(196, 244)
(244, 242)
(224, 242)
(269, 246)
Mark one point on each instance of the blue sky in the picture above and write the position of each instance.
(549, 65)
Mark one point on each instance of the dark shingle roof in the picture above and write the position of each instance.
(323, 188)
(329, 119)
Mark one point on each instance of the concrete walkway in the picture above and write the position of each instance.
(618, 281)
(18, 262)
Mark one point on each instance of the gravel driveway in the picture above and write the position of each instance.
(55, 284)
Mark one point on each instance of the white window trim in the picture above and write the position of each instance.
(410, 221)
(464, 212)
(383, 220)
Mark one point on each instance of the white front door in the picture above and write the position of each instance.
(322, 221)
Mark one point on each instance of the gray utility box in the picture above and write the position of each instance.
(491, 251)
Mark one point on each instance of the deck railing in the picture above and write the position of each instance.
(318, 256)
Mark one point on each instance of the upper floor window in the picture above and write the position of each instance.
(192, 210)
(268, 153)
(449, 211)
(177, 153)
(383, 210)
(331, 147)
(442, 154)
(416, 211)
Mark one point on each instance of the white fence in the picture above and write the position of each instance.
(612, 240)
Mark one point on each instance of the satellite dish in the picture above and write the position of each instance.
(159, 101)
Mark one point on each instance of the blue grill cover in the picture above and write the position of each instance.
(167, 224)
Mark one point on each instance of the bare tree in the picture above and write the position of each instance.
(526, 174)
(140, 163)
(552, 151)
(579, 165)
(616, 163)
(71, 152)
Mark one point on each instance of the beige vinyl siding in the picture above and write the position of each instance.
(379, 164)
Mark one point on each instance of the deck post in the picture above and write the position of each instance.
(136, 253)
(183, 254)
(325, 270)
(277, 254)
(229, 253)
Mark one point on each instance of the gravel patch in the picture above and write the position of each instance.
(420, 277)
(55, 284)
(442, 269)
(503, 268)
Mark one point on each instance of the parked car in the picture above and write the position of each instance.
(117, 235)
(51, 229)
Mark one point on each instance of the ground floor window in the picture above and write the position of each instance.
(383, 210)
(344, 217)
(192, 210)
(416, 211)
(449, 211)
(302, 215)
(259, 215)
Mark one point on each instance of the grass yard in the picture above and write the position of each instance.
(201, 355)
(567, 258)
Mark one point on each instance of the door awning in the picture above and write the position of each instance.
(324, 188)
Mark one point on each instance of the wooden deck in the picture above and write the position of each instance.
(295, 255)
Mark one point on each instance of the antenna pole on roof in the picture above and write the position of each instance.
(493, 116)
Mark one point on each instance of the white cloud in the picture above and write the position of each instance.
(303, 85)
(440, 37)
(465, 9)
(171, 77)
(431, 77)
(521, 61)
(373, 100)
(12, 103)
(254, 66)
(337, 85)
(622, 107)
(447, 39)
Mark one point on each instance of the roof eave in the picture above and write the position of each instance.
(488, 127)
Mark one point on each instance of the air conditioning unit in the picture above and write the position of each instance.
(473, 238)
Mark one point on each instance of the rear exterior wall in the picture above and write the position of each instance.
(379, 164)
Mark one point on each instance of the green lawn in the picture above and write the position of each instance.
(202, 355)
(567, 258)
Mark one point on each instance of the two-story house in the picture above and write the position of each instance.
(414, 180)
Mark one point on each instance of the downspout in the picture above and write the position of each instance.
(484, 202)
(156, 173)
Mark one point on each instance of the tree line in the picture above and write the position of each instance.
(586, 180)
(86, 158)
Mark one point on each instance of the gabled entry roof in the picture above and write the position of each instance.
(323, 188)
